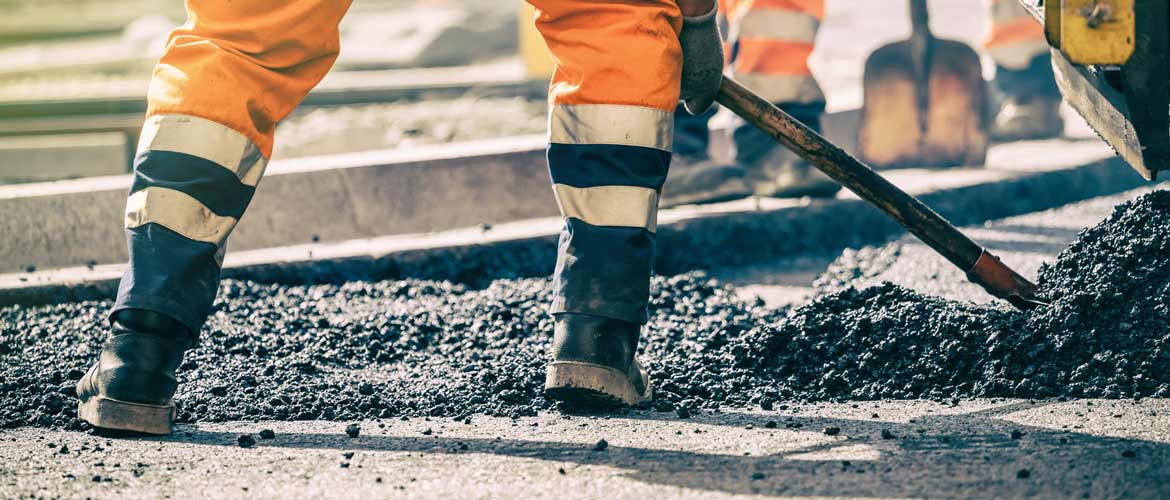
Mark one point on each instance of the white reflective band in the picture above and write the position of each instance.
(783, 88)
(1007, 10)
(622, 206)
(206, 139)
(611, 124)
(1017, 55)
(178, 212)
(779, 24)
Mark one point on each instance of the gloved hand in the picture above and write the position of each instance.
(702, 69)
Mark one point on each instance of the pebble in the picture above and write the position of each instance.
(479, 347)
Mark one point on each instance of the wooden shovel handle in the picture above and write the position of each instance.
(919, 17)
(912, 214)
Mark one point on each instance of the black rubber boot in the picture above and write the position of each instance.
(775, 171)
(594, 363)
(1029, 102)
(698, 180)
(131, 385)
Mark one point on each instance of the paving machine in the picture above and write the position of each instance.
(1112, 64)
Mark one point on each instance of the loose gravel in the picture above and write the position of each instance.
(414, 348)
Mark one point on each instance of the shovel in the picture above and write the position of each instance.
(981, 266)
(925, 102)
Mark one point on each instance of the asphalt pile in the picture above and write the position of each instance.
(423, 348)
(1106, 333)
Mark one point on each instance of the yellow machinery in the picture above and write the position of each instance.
(1112, 64)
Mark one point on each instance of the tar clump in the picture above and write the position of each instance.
(363, 351)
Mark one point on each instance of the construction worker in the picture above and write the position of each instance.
(770, 43)
(1025, 85)
(235, 69)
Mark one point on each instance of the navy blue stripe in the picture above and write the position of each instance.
(604, 271)
(169, 274)
(214, 186)
(591, 165)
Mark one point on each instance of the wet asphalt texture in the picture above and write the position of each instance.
(416, 348)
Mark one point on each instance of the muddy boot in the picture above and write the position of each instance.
(593, 363)
(696, 180)
(782, 174)
(1021, 119)
(773, 170)
(130, 386)
(1029, 102)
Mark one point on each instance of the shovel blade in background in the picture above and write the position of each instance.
(955, 131)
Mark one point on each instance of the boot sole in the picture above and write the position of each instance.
(589, 385)
(107, 413)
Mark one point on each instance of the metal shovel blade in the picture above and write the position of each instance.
(925, 102)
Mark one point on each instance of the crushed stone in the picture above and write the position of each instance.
(405, 348)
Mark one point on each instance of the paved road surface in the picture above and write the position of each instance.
(1076, 449)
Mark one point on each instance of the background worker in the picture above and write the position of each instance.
(770, 42)
(237, 68)
(1025, 85)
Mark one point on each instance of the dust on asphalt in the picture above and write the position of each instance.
(393, 348)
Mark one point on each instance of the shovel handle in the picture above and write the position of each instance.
(912, 214)
(919, 17)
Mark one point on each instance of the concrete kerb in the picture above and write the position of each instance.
(689, 238)
(336, 198)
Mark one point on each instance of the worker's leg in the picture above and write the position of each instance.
(692, 133)
(694, 176)
(1029, 97)
(612, 100)
(226, 78)
(771, 43)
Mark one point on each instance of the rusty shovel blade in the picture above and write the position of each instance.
(1003, 282)
(925, 102)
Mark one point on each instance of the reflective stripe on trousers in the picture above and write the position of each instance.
(770, 42)
(193, 180)
(226, 78)
(610, 129)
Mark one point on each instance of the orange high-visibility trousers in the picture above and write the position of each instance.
(246, 64)
(770, 42)
(228, 75)
(1015, 38)
(611, 103)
